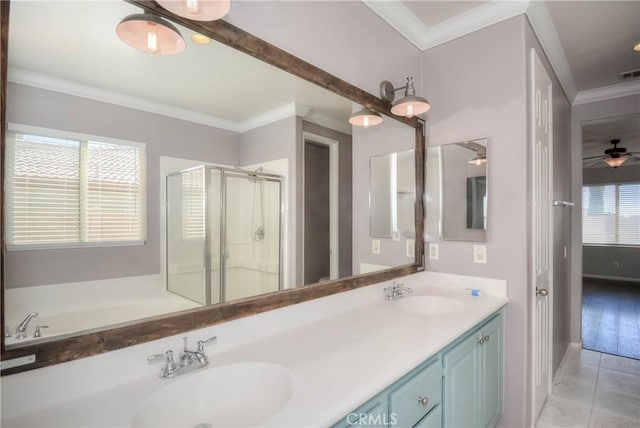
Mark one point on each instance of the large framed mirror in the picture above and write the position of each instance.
(184, 199)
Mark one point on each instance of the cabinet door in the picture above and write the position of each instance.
(492, 368)
(461, 384)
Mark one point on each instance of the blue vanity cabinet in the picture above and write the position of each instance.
(473, 373)
(412, 401)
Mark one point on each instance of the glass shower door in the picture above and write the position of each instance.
(186, 271)
(252, 259)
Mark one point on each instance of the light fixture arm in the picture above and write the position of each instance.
(388, 92)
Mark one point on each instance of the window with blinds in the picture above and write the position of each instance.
(611, 214)
(65, 192)
(193, 204)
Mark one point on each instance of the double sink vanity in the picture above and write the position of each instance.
(430, 357)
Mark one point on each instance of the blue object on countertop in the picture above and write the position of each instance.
(473, 291)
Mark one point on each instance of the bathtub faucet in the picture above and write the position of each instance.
(21, 331)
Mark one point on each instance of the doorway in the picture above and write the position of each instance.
(320, 218)
(611, 236)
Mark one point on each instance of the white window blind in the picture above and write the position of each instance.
(66, 192)
(611, 214)
(193, 204)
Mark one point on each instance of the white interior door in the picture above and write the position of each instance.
(542, 239)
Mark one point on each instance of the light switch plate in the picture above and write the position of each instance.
(434, 251)
(375, 246)
(480, 254)
(411, 248)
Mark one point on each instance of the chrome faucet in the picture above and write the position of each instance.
(21, 330)
(396, 291)
(188, 360)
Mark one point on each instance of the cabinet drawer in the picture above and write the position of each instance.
(432, 420)
(406, 404)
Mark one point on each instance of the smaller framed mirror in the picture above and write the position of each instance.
(457, 191)
(392, 195)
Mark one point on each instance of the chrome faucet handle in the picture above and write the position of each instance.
(170, 365)
(22, 327)
(208, 341)
(7, 332)
(37, 333)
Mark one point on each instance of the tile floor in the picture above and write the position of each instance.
(594, 390)
(611, 318)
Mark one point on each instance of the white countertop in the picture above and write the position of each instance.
(338, 362)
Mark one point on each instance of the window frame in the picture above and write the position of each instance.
(83, 139)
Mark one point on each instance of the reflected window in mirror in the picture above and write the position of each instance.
(457, 191)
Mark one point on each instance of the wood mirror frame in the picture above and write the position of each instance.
(58, 350)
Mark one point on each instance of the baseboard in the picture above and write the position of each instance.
(620, 279)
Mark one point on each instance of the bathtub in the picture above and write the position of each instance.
(86, 314)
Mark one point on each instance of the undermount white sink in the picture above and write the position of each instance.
(238, 395)
(430, 305)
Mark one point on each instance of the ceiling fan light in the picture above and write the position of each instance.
(151, 34)
(365, 118)
(478, 160)
(198, 10)
(615, 162)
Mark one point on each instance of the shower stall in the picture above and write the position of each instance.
(224, 233)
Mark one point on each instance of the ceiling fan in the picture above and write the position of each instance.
(614, 157)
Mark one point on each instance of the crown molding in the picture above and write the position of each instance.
(608, 92)
(400, 18)
(396, 14)
(545, 31)
(43, 81)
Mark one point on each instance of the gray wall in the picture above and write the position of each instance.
(163, 136)
(580, 114)
(605, 261)
(561, 216)
(478, 85)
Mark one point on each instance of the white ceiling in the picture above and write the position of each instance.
(212, 84)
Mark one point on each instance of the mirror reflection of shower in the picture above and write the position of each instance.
(217, 250)
(257, 217)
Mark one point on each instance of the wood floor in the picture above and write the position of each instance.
(611, 318)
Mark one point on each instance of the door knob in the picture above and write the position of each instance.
(542, 292)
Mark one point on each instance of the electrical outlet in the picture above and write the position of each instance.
(411, 248)
(480, 254)
(375, 246)
(434, 251)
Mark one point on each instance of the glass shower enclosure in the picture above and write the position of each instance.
(224, 233)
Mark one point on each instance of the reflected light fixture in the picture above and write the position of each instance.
(637, 47)
(478, 160)
(409, 106)
(200, 39)
(198, 10)
(615, 161)
(151, 34)
(365, 118)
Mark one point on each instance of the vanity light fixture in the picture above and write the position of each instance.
(637, 47)
(478, 160)
(409, 106)
(365, 118)
(198, 10)
(151, 34)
